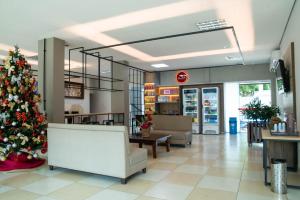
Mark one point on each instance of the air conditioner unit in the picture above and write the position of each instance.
(275, 56)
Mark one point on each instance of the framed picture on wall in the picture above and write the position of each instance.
(74, 90)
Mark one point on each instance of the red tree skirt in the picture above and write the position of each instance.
(14, 162)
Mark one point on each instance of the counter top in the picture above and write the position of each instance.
(266, 135)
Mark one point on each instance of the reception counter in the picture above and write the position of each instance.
(267, 137)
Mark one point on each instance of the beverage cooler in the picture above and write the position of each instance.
(210, 110)
(190, 103)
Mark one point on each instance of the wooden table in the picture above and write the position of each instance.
(266, 137)
(153, 140)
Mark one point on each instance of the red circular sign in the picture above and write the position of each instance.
(182, 76)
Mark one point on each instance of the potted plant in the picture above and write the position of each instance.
(259, 116)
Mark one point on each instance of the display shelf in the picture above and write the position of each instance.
(168, 94)
(149, 97)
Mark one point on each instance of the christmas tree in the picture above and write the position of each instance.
(22, 125)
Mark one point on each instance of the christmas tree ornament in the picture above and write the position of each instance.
(5, 139)
(14, 145)
(2, 127)
(42, 132)
(2, 158)
(35, 155)
(16, 98)
(14, 123)
(10, 97)
(29, 157)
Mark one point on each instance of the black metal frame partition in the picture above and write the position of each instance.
(136, 74)
(69, 74)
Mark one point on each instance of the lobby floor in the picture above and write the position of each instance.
(214, 167)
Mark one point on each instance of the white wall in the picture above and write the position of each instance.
(224, 74)
(84, 103)
(231, 103)
(292, 34)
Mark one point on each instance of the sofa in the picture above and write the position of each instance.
(96, 149)
(178, 126)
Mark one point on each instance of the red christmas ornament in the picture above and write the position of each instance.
(43, 151)
(40, 118)
(7, 82)
(19, 116)
(20, 63)
(45, 144)
(24, 118)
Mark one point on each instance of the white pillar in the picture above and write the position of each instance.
(51, 78)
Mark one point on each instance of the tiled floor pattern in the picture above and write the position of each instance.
(214, 167)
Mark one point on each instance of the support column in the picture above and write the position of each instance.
(51, 78)
(120, 100)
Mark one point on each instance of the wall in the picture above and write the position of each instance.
(223, 74)
(231, 100)
(84, 103)
(292, 35)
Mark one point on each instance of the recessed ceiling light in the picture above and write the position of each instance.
(212, 24)
(160, 65)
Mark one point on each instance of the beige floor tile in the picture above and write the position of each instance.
(164, 190)
(219, 183)
(254, 196)
(208, 194)
(192, 169)
(153, 175)
(72, 175)
(147, 198)
(18, 195)
(253, 166)
(224, 172)
(252, 175)
(293, 178)
(136, 186)
(199, 161)
(22, 180)
(247, 186)
(76, 191)
(163, 166)
(183, 178)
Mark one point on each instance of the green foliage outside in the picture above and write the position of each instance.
(248, 89)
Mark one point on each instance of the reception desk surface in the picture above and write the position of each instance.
(266, 135)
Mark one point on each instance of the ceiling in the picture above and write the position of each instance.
(94, 23)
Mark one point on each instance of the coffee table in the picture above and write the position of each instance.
(153, 140)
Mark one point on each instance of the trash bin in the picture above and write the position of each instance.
(232, 125)
(279, 176)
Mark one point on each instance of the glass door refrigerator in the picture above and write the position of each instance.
(210, 110)
(190, 98)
